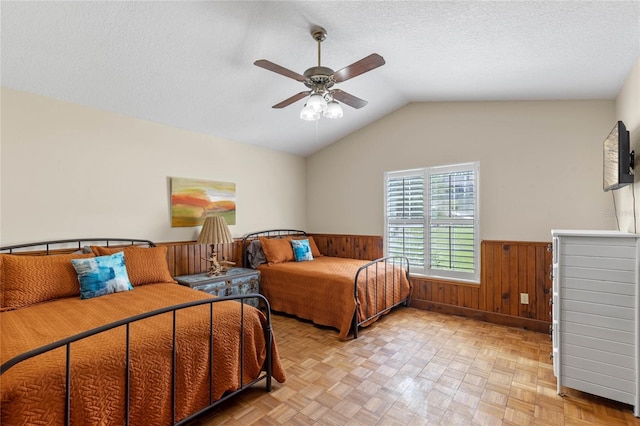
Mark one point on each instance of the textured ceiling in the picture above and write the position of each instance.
(190, 64)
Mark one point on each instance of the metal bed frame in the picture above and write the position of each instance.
(70, 245)
(126, 322)
(380, 264)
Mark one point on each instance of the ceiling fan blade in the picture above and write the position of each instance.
(363, 65)
(268, 65)
(348, 99)
(292, 99)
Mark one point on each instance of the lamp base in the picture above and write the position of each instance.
(218, 267)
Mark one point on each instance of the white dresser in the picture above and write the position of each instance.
(595, 311)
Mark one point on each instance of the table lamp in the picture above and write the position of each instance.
(215, 231)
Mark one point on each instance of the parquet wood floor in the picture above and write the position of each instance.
(416, 367)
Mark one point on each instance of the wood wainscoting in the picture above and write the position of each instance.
(187, 257)
(352, 246)
(508, 268)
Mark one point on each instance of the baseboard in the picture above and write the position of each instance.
(492, 317)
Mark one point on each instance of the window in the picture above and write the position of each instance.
(432, 217)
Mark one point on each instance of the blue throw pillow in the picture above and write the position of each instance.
(301, 250)
(102, 275)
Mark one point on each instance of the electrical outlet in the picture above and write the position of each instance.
(524, 298)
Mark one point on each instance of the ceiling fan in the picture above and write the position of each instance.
(320, 80)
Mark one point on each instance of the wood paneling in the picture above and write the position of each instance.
(352, 246)
(187, 257)
(508, 268)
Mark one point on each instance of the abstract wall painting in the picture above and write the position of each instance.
(194, 199)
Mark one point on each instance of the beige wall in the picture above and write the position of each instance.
(540, 165)
(628, 110)
(69, 171)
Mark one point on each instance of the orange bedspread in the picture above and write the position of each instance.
(33, 391)
(322, 290)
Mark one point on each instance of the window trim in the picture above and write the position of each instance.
(428, 271)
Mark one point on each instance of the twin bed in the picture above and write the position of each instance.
(160, 353)
(331, 291)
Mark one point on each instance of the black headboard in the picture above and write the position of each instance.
(270, 233)
(74, 244)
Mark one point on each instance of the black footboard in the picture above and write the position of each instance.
(385, 273)
(126, 323)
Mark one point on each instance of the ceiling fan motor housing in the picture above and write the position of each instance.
(319, 78)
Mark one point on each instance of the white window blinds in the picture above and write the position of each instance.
(405, 217)
(432, 218)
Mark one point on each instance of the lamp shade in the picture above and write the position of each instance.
(215, 231)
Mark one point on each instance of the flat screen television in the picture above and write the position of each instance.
(618, 160)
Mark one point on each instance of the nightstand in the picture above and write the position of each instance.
(232, 282)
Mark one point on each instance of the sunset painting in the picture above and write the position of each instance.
(193, 199)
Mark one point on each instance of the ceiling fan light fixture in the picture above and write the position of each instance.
(334, 110)
(321, 80)
(308, 114)
(317, 102)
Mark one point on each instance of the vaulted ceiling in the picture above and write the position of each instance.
(190, 64)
